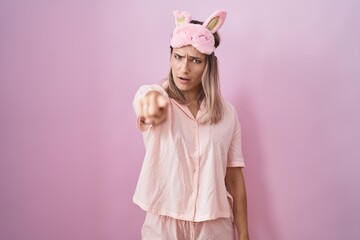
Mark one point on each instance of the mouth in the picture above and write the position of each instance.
(184, 80)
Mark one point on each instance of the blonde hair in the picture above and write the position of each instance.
(210, 90)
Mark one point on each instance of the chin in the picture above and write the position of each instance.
(181, 87)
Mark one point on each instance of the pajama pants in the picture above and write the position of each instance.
(157, 227)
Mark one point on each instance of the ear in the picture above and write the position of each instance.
(215, 21)
(181, 17)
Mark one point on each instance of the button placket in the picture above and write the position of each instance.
(196, 165)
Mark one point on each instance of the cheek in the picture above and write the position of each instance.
(174, 66)
(173, 69)
(199, 72)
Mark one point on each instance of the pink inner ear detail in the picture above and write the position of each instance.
(182, 17)
(221, 14)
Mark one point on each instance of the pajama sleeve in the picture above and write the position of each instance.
(235, 155)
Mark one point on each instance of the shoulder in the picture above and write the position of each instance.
(156, 87)
(228, 107)
(144, 89)
(230, 114)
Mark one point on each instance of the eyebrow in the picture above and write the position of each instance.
(199, 58)
(192, 57)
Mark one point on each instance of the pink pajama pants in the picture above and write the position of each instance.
(166, 228)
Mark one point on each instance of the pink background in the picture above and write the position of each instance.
(71, 154)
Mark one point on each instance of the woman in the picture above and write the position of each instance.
(191, 183)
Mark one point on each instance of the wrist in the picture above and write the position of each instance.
(244, 235)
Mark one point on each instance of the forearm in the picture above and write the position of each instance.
(236, 187)
(240, 211)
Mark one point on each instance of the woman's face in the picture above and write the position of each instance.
(188, 65)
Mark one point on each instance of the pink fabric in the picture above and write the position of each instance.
(200, 36)
(162, 227)
(185, 163)
(193, 34)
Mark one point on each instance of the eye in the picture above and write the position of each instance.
(177, 56)
(197, 61)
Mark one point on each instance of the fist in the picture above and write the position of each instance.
(153, 108)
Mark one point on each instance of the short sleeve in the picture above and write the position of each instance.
(235, 155)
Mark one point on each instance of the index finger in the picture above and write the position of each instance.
(153, 105)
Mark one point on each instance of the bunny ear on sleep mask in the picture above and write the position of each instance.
(197, 35)
(181, 17)
(215, 21)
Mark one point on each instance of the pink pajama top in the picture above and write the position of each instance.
(183, 173)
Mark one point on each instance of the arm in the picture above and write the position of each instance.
(235, 184)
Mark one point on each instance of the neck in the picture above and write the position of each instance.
(192, 96)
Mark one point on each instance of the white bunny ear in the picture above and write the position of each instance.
(215, 21)
(181, 17)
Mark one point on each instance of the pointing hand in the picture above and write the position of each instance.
(153, 108)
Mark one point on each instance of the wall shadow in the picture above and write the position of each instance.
(262, 224)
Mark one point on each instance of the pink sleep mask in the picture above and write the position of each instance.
(197, 35)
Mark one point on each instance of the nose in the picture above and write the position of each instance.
(184, 67)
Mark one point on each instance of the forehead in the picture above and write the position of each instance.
(189, 50)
